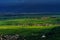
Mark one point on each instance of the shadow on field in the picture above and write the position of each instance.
(53, 34)
(33, 34)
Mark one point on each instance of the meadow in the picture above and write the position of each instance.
(32, 28)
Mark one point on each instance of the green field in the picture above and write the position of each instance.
(32, 28)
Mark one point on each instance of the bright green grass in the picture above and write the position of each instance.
(13, 29)
(28, 30)
(24, 30)
(19, 27)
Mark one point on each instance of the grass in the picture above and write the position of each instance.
(26, 21)
(19, 27)
(10, 27)
(51, 32)
(24, 29)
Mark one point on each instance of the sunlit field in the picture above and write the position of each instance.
(32, 28)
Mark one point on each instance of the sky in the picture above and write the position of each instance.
(28, 1)
(14, 2)
(11, 2)
(36, 5)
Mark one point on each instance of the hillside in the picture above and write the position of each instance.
(37, 28)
